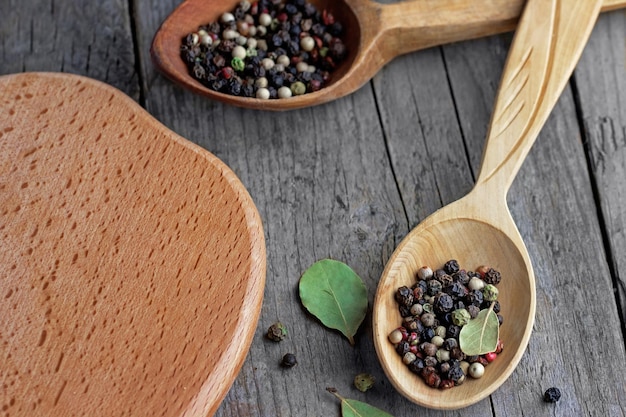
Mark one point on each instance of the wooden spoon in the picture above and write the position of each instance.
(374, 35)
(132, 261)
(478, 229)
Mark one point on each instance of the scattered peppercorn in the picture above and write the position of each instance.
(277, 332)
(301, 44)
(289, 360)
(364, 381)
(552, 395)
(434, 310)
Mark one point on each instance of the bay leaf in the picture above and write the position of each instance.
(354, 408)
(336, 295)
(481, 334)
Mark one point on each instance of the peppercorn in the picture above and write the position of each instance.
(408, 357)
(460, 317)
(457, 354)
(476, 284)
(416, 309)
(442, 303)
(395, 336)
(364, 381)
(416, 366)
(428, 349)
(476, 370)
(427, 334)
(433, 380)
(473, 310)
(428, 319)
(430, 361)
(490, 292)
(552, 395)
(453, 331)
(451, 267)
(404, 296)
(434, 287)
(289, 360)
(450, 343)
(444, 368)
(492, 277)
(277, 332)
(455, 373)
(437, 341)
(461, 276)
(424, 273)
(456, 289)
(474, 297)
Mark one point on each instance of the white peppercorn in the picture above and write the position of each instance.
(416, 309)
(227, 17)
(265, 19)
(261, 82)
(408, 358)
(239, 52)
(395, 336)
(476, 370)
(307, 43)
(268, 63)
(283, 60)
(437, 341)
(263, 93)
(476, 284)
(284, 92)
(424, 273)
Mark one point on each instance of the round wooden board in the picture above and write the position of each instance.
(132, 262)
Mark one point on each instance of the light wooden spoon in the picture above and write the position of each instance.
(478, 229)
(374, 35)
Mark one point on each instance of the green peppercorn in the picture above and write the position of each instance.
(461, 317)
(298, 88)
(364, 381)
(490, 292)
(277, 332)
(237, 64)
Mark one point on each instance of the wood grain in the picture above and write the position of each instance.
(350, 178)
(132, 261)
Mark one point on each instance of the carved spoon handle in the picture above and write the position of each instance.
(547, 45)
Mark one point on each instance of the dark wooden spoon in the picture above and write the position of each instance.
(374, 35)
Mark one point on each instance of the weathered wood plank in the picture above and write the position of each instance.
(601, 84)
(80, 37)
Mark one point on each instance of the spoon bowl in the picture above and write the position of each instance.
(433, 242)
(374, 35)
(478, 229)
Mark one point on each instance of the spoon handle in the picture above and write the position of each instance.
(418, 24)
(547, 45)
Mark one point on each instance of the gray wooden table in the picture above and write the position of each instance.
(347, 180)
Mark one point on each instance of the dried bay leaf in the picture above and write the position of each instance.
(481, 334)
(336, 295)
(354, 408)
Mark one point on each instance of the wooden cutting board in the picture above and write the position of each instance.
(132, 262)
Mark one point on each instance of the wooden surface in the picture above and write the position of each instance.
(348, 180)
(125, 252)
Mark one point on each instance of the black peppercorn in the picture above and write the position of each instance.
(456, 289)
(434, 287)
(453, 331)
(461, 276)
(474, 297)
(552, 395)
(473, 310)
(492, 277)
(427, 334)
(404, 296)
(455, 374)
(289, 360)
(451, 267)
(416, 366)
(403, 347)
(443, 303)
